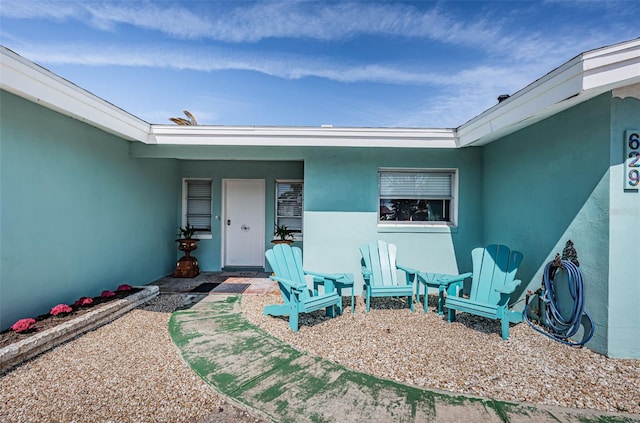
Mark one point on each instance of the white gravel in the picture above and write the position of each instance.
(130, 371)
(126, 371)
(467, 356)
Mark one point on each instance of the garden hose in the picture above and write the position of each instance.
(562, 329)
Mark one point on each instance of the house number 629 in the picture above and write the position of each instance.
(632, 159)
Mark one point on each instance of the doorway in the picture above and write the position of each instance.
(244, 222)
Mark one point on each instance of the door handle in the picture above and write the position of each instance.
(228, 222)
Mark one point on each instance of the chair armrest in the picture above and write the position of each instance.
(461, 277)
(290, 285)
(336, 277)
(325, 279)
(366, 273)
(410, 274)
(509, 288)
(406, 269)
(442, 278)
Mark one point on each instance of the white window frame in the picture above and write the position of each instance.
(198, 234)
(421, 226)
(298, 236)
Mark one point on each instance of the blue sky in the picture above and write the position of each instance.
(301, 63)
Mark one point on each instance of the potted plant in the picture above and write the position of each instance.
(187, 232)
(187, 266)
(283, 235)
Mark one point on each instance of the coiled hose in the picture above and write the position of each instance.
(562, 329)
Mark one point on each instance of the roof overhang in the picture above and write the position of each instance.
(585, 76)
(37, 84)
(301, 136)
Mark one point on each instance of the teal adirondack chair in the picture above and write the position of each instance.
(286, 263)
(492, 283)
(379, 273)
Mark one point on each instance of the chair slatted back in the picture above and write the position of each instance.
(493, 267)
(380, 259)
(286, 263)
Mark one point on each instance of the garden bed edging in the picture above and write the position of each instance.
(15, 354)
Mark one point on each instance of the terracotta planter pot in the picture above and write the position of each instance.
(187, 266)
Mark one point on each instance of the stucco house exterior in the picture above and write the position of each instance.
(92, 196)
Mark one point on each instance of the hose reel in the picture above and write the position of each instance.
(559, 321)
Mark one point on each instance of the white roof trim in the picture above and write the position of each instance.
(585, 76)
(30, 81)
(302, 136)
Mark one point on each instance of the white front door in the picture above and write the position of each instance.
(244, 236)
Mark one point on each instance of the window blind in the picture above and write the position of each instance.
(289, 206)
(199, 204)
(434, 185)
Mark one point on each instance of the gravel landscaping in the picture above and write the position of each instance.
(467, 356)
(130, 371)
(126, 371)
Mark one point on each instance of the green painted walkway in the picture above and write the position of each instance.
(285, 385)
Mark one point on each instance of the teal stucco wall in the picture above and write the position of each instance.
(547, 184)
(341, 209)
(340, 200)
(557, 180)
(78, 214)
(624, 239)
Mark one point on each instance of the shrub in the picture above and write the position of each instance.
(124, 287)
(23, 325)
(60, 309)
(84, 301)
(107, 294)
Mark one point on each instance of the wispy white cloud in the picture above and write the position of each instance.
(473, 91)
(252, 22)
(501, 37)
(41, 9)
(506, 57)
(285, 66)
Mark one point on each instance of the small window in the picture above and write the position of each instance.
(197, 205)
(417, 197)
(289, 206)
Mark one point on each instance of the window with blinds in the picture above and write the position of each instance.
(416, 196)
(198, 205)
(289, 206)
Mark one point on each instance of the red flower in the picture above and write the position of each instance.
(60, 309)
(84, 301)
(107, 294)
(23, 325)
(124, 287)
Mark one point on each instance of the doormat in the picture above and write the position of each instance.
(231, 288)
(205, 288)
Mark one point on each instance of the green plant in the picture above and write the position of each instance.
(283, 233)
(187, 232)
